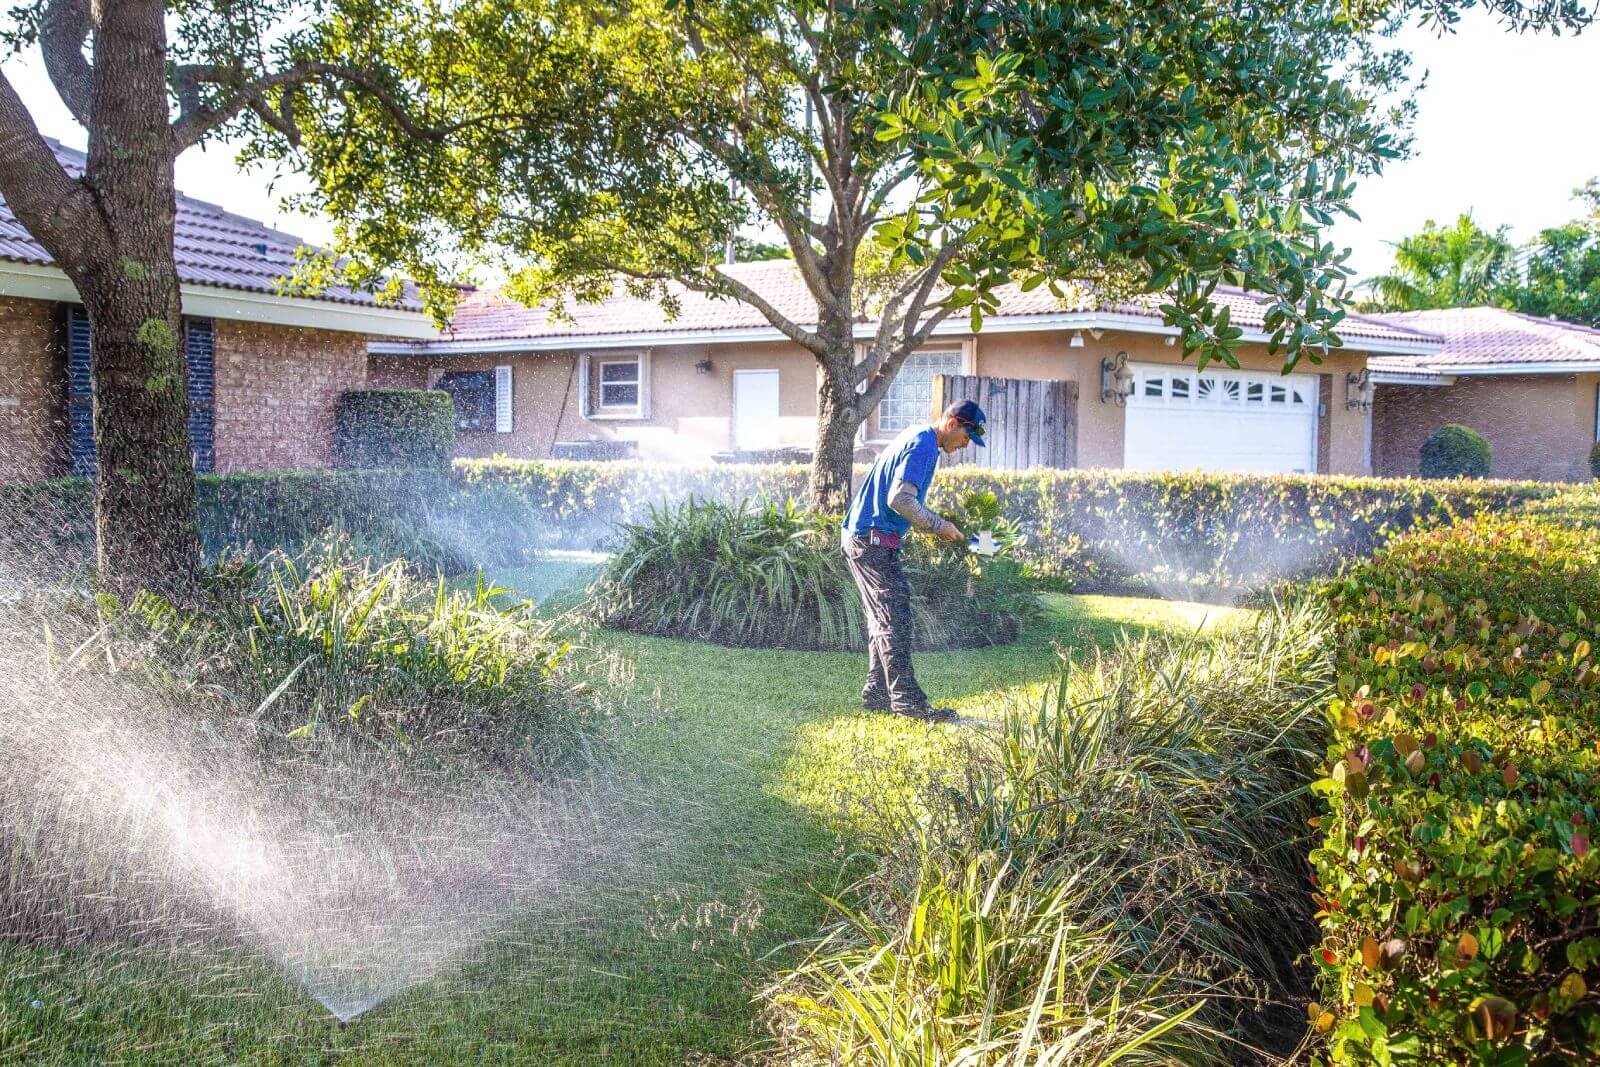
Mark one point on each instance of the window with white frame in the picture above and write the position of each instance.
(619, 384)
(910, 396)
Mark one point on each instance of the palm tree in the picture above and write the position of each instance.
(1456, 266)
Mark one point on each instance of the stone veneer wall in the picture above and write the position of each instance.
(276, 390)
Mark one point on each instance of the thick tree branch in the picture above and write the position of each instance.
(195, 120)
(880, 382)
(62, 31)
(56, 208)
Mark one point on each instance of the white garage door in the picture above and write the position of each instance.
(1220, 420)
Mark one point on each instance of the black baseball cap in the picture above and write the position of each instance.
(970, 415)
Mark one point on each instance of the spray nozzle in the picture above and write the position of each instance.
(983, 543)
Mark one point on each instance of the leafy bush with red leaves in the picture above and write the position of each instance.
(1458, 888)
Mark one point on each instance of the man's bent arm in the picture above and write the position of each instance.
(903, 501)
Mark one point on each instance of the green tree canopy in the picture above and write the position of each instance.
(1461, 265)
(1561, 274)
(915, 156)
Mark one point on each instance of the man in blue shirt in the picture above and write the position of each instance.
(887, 504)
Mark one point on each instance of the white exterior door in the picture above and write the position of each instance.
(1220, 420)
(755, 409)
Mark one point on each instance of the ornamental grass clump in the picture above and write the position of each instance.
(1458, 885)
(1117, 873)
(773, 576)
(337, 693)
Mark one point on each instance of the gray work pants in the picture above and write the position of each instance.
(886, 602)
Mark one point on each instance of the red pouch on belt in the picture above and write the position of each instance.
(883, 539)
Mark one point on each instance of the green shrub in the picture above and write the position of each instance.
(313, 685)
(1118, 871)
(47, 528)
(394, 428)
(1459, 893)
(1455, 451)
(774, 577)
(1087, 530)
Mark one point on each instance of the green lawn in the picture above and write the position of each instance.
(743, 762)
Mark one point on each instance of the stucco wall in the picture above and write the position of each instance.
(276, 389)
(1537, 426)
(691, 414)
(32, 390)
(1342, 432)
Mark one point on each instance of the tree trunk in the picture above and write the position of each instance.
(144, 499)
(837, 422)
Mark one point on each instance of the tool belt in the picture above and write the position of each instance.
(882, 539)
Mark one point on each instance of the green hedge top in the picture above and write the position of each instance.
(1459, 889)
(394, 428)
(1087, 528)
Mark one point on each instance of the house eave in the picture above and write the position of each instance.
(1384, 377)
(34, 281)
(1077, 320)
(1480, 369)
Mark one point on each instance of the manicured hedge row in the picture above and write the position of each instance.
(1459, 888)
(1087, 529)
(50, 525)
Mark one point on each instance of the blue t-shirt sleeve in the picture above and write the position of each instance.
(916, 466)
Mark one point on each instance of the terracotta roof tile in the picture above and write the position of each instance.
(212, 246)
(1480, 336)
(487, 314)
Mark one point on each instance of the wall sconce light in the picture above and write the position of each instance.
(1359, 391)
(1077, 339)
(703, 367)
(1171, 342)
(1116, 380)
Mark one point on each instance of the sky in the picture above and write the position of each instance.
(1505, 129)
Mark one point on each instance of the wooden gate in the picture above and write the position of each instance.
(1031, 423)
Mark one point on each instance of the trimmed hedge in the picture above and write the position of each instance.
(48, 527)
(1194, 535)
(1087, 530)
(1458, 886)
(394, 428)
(1455, 451)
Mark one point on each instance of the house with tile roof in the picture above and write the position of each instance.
(264, 368)
(1530, 386)
(622, 377)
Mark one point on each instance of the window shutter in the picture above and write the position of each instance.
(584, 407)
(644, 384)
(502, 399)
(80, 394)
(200, 358)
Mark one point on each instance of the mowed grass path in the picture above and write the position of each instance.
(739, 761)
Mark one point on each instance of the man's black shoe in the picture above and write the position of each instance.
(929, 714)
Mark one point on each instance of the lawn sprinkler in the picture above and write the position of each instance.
(982, 543)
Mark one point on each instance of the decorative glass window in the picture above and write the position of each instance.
(909, 399)
(619, 384)
(1253, 393)
(1205, 388)
(1180, 388)
(473, 394)
(1299, 397)
(1230, 390)
(1153, 386)
(1280, 394)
